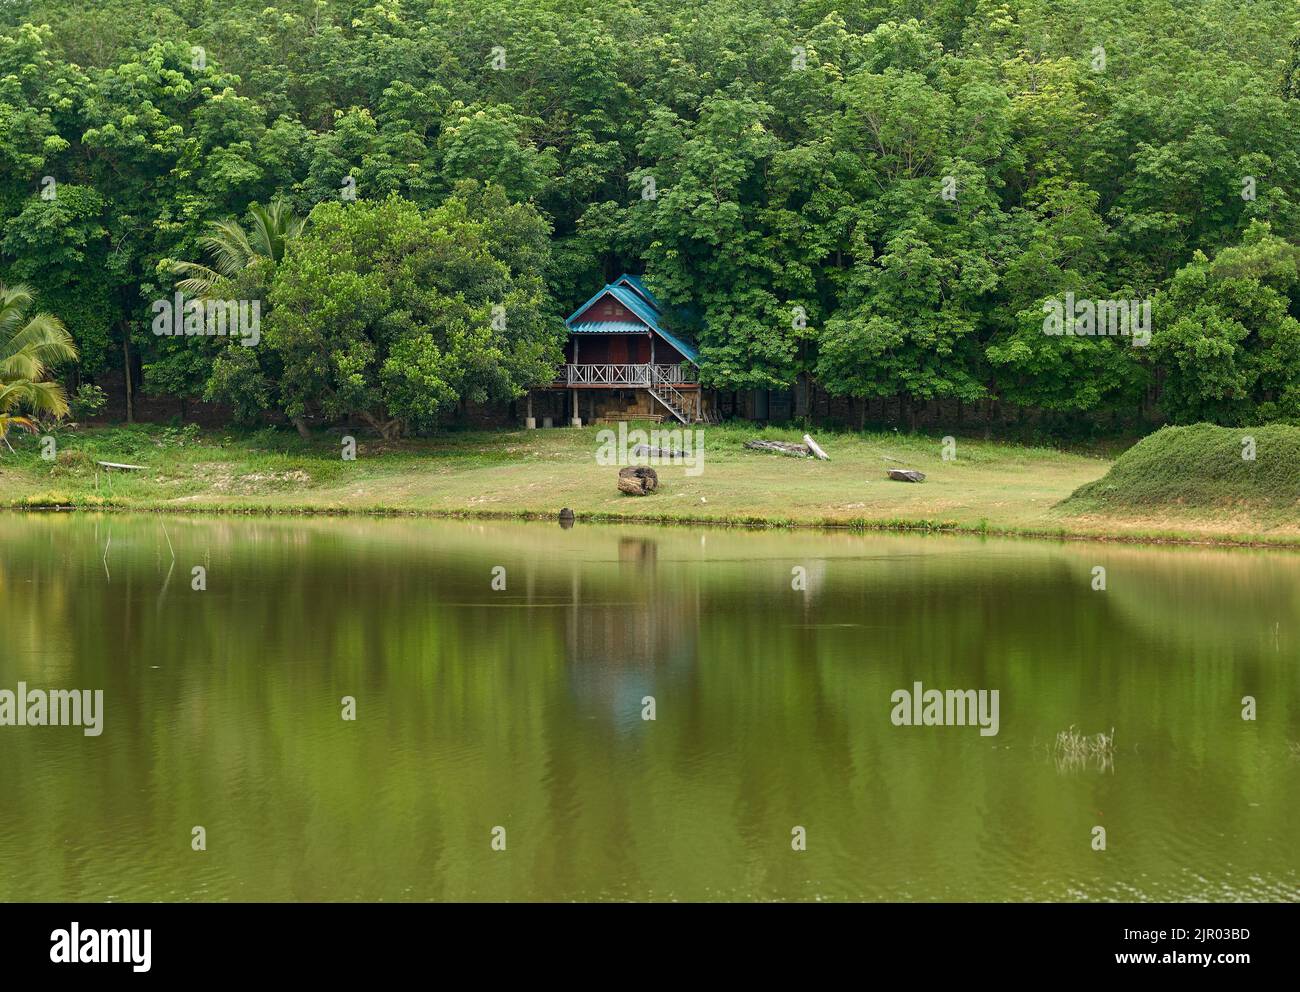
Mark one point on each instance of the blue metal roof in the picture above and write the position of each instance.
(645, 311)
(608, 327)
(634, 303)
(690, 354)
(640, 287)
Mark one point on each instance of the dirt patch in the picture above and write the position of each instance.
(219, 477)
(296, 475)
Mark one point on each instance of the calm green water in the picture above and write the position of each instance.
(522, 709)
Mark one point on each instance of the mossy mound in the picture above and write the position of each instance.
(1201, 466)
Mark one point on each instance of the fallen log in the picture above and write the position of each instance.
(781, 447)
(815, 448)
(906, 475)
(637, 480)
(645, 451)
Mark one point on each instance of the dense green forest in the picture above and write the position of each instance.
(880, 197)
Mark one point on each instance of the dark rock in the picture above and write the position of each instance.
(906, 475)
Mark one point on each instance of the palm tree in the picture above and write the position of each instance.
(29, 346)
(243, 263)
(240, 255)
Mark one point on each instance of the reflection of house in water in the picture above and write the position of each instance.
(637, 551)
(810, 576)
(625, 636)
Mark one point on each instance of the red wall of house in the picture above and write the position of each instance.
(607, 349)
(617, 349)
(666, 354)
(609, 308)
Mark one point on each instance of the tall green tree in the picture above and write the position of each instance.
(242, 260)
(1226, 335)
(395, 316)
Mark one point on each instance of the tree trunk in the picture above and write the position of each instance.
(388, 430)
(301, 425)
(815, 448)
(126, 371)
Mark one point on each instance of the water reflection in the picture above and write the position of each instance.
(770, 658)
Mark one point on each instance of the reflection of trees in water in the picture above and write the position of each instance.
(1206, 590)
(772, 704)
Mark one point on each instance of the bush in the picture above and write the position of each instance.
(70, 458)
(87, 401)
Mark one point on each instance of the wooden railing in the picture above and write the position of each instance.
(615, 376)
(675, 375)
(681, 405)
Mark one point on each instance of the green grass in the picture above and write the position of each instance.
(990, 488)
(1202, 467)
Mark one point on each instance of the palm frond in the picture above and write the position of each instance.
(229, 247)
(29, 347)
(198, 281)
(274, 226)
(241, 259)
(41, 398)
(7, 421)
(14, 301)
(41, 343)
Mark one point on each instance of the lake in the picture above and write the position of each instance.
(501, 676)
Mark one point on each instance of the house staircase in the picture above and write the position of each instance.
(679, 404)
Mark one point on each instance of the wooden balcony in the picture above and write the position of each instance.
(684, 376)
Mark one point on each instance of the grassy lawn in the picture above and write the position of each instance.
(990, 486)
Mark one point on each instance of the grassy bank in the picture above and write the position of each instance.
(989, 486)
(1203, 467)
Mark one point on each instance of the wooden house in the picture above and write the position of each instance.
(620, 362)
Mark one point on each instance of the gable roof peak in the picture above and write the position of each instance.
(641, 289)
(640, 303)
